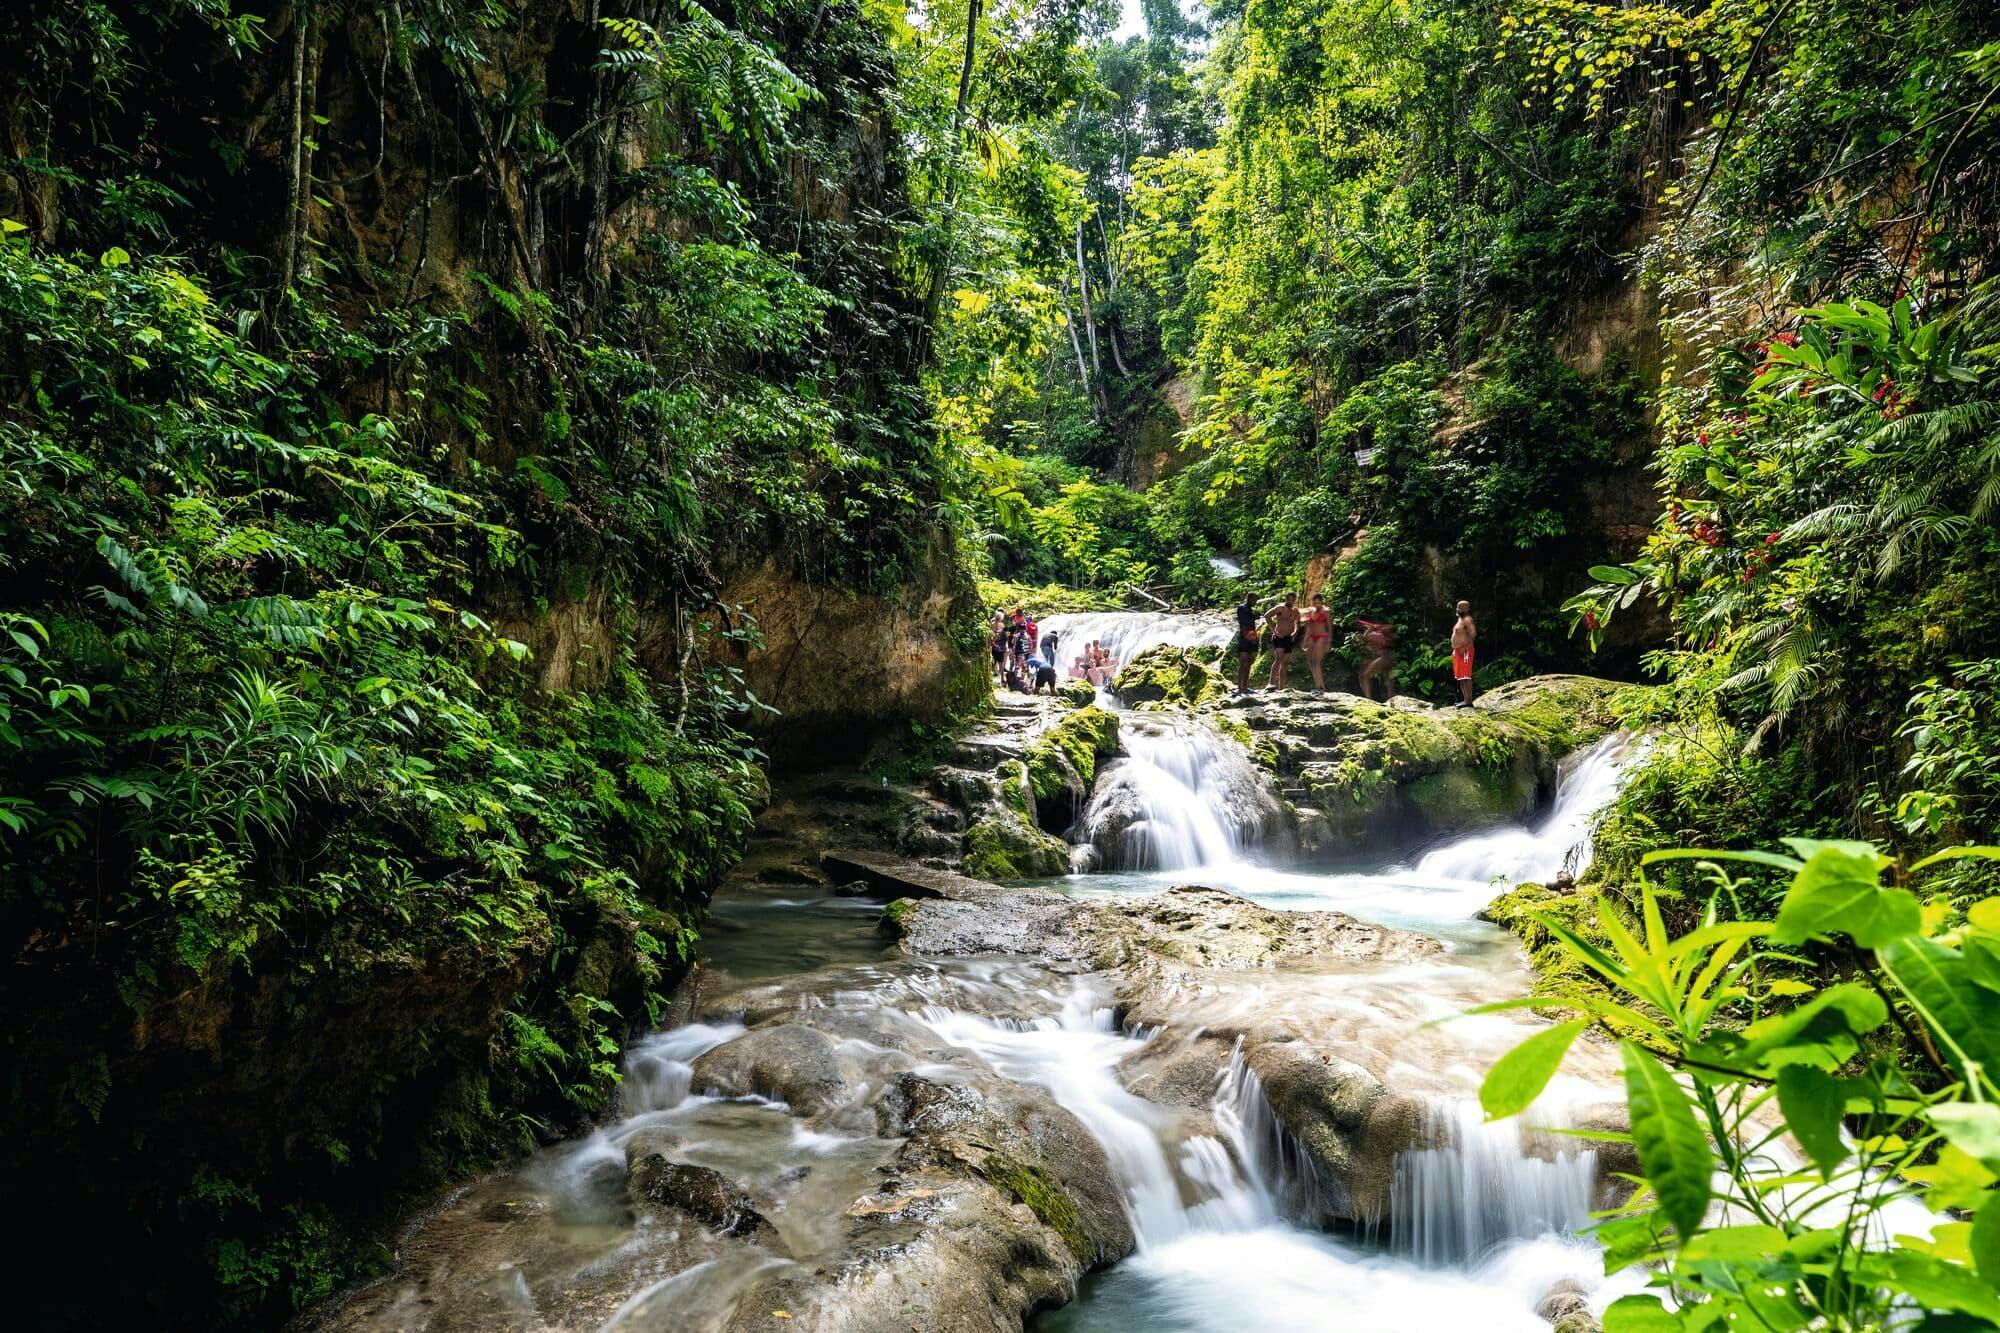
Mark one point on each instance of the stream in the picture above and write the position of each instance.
(1225, 1210)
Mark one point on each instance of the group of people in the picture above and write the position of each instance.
(1288, 628)
(1027, 660)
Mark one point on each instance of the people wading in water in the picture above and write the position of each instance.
(1374, 639)
(1284, 622)
(1246, 640)
(1462, 635)
(1319, 639)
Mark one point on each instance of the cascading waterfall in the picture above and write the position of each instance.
(1126, 634)
(1518, 854)
(1476, 1187)
(1177, 797)
(1247, 1179)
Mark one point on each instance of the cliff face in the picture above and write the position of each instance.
(839, 665)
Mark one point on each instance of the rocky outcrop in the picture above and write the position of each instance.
(787, 1062)
(701, 1192)
(1369, 777)
(840, 666)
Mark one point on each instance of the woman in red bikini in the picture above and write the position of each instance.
(1319, 638)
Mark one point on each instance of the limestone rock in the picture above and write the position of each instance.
(786, 1062)
(702, 1193)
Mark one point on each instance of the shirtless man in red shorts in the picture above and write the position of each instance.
(1462, 635)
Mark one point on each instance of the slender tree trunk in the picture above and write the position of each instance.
(941, 273)
(1076, 345)
(295, 147)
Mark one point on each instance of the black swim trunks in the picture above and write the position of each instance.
(1284, 643)
(1246, 643)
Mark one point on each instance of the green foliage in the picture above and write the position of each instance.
(1713, 1028)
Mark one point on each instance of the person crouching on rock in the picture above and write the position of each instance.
(1375, 639)
(1044, 667)
(1284, 622)
(1246, 640)
(1319, 640)
(1462, 635)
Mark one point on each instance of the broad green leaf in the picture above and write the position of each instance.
(1840, 890)
(1673, 1150)
(1812, 1102)
(1617, 574)
(1734, 1243)
(1956, 854)
(1937, 1285)
(1955, 1180)
(1985, 914)
(1986, 1240)
(1971, 1127)
(1850, 1005)
(1519, 1076)
(1775, 860)
(1639, 1313)
(1964, 1015)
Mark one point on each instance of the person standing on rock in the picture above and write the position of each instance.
(1246, 639)
(1284, 622)
(1319, 640)
(1462, 635)
(1375, 639)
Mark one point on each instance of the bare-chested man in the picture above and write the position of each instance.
(1283, 621)
(1462, 635)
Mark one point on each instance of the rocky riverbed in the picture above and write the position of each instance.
(902, 1095)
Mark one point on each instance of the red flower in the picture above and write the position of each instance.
(1771, 540)
(1703, 437)
(1590, 620)
(1788, 339)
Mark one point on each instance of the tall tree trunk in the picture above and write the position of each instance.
(295, 149)
(1076, 345)
(941, 272)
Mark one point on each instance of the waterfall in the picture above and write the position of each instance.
(1126, 634)
(1248, 1178)
(1519, 854)
(1177, 797)
(1476, 1187)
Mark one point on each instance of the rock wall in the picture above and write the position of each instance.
(840, 666)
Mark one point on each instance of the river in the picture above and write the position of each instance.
(1225, 1211)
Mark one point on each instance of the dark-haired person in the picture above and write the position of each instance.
(1318, 640)
(1463, 633)
(1284, 622)
(1375, 639)
(1246, 639)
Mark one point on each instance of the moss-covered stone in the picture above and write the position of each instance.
(1176, 677)
(1077, 693)
(1067, 753)
(1046, 1199)
(1006, 845)
(1559, 974)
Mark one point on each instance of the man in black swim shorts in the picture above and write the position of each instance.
(1246, 640)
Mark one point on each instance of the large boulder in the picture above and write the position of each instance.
(787, 1062)
(701, 1192)
(1062, 764)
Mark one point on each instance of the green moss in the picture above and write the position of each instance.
(1064, 758)
(1002, 846)
(1175, 677)
(1078, 693)
(896, 915)
(1560, 976)
(1045, 1198)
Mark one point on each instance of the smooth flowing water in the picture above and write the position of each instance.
(1227, 1210)
(1178, 796)
(1126, 634)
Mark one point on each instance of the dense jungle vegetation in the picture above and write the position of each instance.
(393, 389)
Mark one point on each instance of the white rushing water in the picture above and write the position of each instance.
(1126, 634)
(1224, 1222)
(1518, 854)
(1177, 796)
(1443, 889)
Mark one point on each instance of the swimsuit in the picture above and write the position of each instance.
(1319, 626)
(1461, 663)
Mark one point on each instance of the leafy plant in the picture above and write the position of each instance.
(1885, 1079)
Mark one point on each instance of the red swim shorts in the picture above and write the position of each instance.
(1461, 664)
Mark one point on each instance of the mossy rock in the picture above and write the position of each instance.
(1559, 974)
(1077, 693)
(1046, 1199)
(1175, 677)
(1005, 845)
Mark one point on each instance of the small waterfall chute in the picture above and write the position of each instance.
(1179, 796)
(1126, 634)
(1475, 1187)
(1519, 854)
